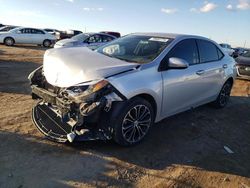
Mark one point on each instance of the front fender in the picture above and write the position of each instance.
(147, 81)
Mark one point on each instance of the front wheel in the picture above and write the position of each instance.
(134, 122)
(9, 41)
(224, 95)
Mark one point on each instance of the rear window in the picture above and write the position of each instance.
(208, 51)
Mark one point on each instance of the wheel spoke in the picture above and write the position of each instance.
(131, 135)
(144, 121)
(130, 116)
(128, 130)
(142, 116)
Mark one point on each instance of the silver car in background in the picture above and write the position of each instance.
(91, 40)
(24, 35)
(119, 90)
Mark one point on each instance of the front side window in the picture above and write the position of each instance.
(135, 48)
(187, 50)
(208, 51)
(26, 31)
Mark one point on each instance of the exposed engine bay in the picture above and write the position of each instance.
(74, 113)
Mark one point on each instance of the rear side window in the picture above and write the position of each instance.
(208, 51)
(220, 54)
(187, 50)
(106, 38)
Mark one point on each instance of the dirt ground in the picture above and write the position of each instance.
(186, 150)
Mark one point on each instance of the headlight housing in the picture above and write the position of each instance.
(78, 93)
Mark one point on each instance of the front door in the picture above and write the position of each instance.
(182, 88)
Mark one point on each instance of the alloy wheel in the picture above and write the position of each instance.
(136, 123)
(9, 42)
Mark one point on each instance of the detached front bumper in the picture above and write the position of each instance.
(59, 120)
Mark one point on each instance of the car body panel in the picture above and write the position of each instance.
(65, 67)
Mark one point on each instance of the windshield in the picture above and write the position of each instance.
(80, 37)
(246, 54)
(135, 48)
(6, 28)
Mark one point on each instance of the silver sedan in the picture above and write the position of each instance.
(119, 90)
(91, 40)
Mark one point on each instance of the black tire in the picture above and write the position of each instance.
(47, 43)
(224, 95)
(128, 132)
(9, 41)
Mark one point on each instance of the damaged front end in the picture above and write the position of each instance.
(74, 113)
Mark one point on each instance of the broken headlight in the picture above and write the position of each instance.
(79, 93)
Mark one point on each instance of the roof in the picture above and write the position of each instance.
(168, 35)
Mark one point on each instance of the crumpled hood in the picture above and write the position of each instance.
(65, 67)
(243, 60)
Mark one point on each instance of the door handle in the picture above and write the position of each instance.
(224, 66)
(200, 72)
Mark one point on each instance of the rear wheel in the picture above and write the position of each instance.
(47, 43)
(9, 41)
(224, 95)
(134, 122)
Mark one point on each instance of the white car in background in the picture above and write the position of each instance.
(227, 48)
(23, 35)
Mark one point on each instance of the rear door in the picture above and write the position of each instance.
(190, 87)
(214, 69)
(38, 36)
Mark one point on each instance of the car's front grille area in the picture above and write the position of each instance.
(50, 124)
(244, 70)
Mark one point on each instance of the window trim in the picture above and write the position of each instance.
(216, 51)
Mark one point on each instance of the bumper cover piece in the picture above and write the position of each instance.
(50, 124)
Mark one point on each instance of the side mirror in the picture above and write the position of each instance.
(177, 63)
(19, 32)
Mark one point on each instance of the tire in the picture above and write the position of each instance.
(47, 43)
(224, 95)
(129, 129)
(9, 41)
